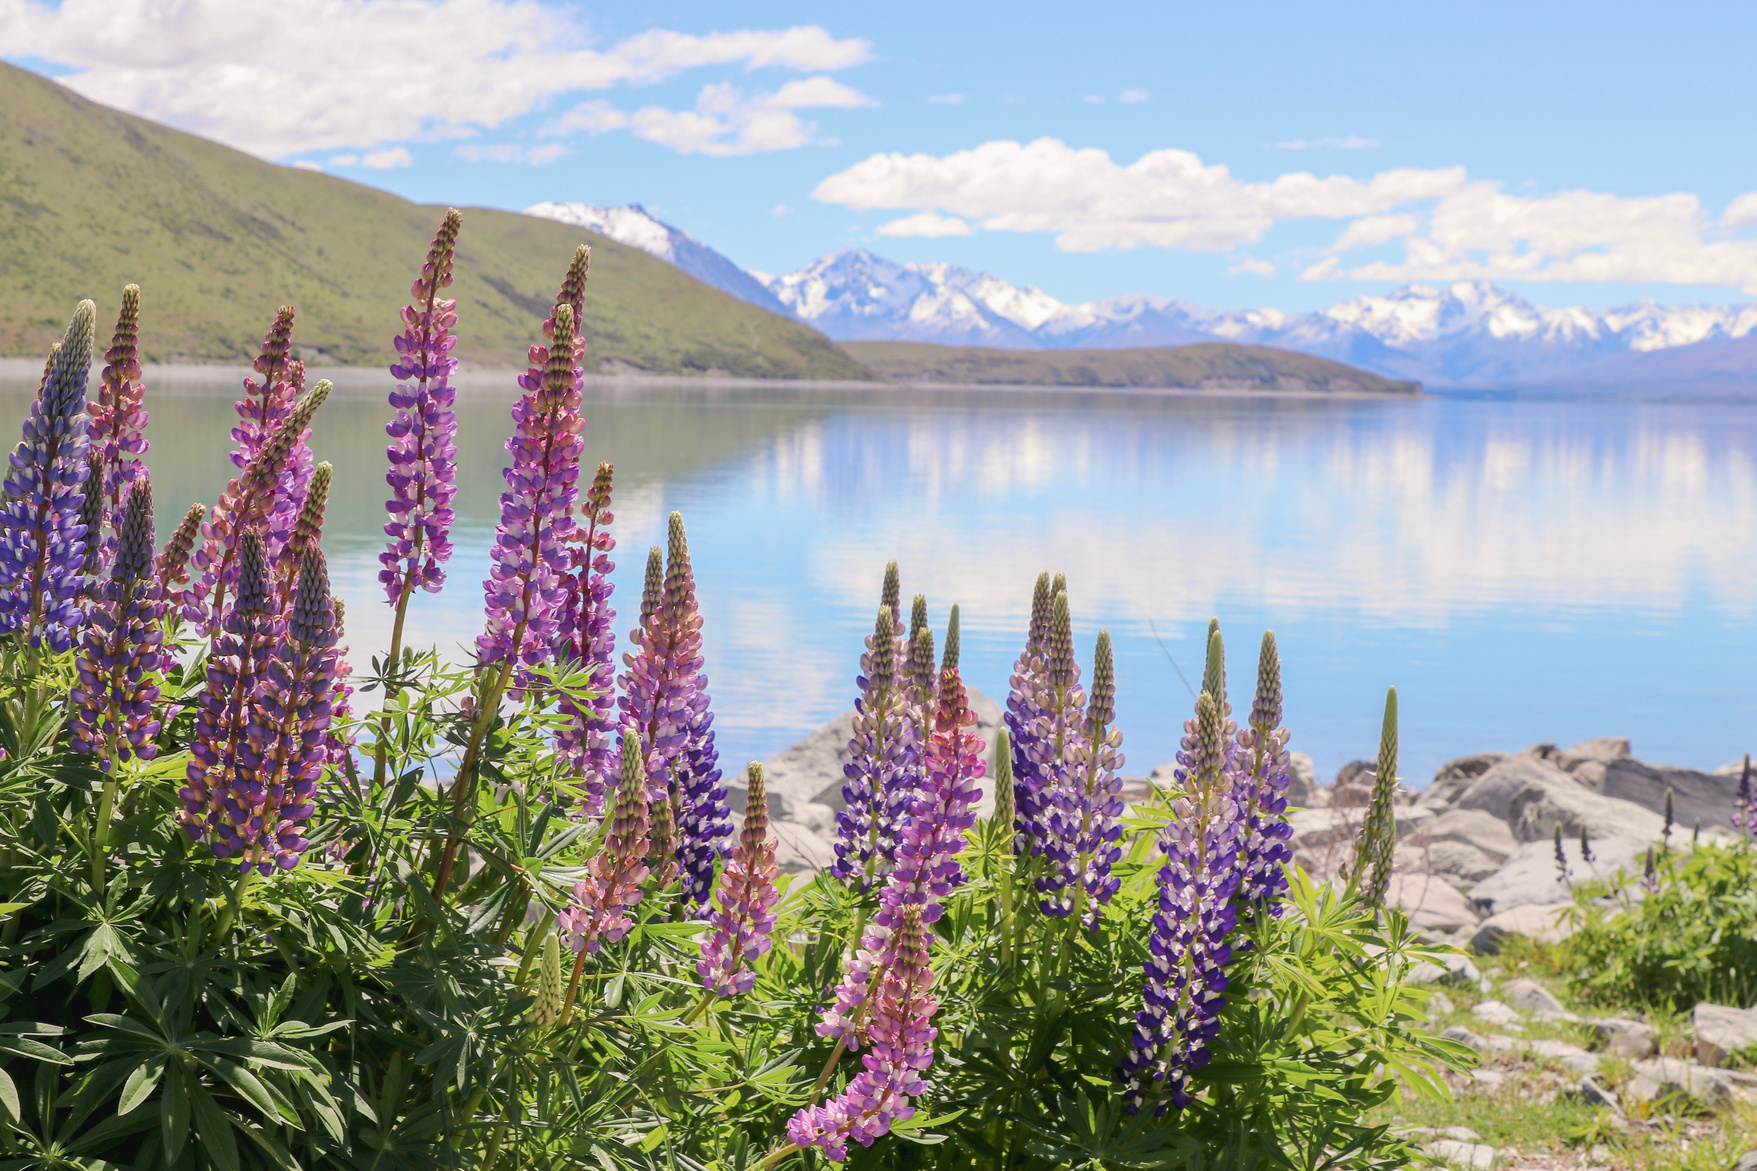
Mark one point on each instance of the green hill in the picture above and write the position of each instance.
(91, 199)
(1207, 366)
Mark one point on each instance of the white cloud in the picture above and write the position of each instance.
(724, 121)
(1352, 142)
(928, 225)
(345, 78)
(1449, 226)
(1134, 95)
(946, 99)
(508, 152)
(347, 160)
(779, 210)
(308, 165)
(1254, 266)
(384, 160)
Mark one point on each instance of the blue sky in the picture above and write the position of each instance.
(1577, 153)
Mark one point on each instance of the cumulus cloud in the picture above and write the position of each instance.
(1254, 266)
(1134, 95)
(384, 160)
(1352, 142)
(1447, 225)
(927, 225)
(265, 76)
(724, 121)
(507, 152)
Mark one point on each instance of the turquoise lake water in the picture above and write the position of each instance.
(1521, 571)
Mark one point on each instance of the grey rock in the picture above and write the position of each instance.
(1732, 768)
(1587, 760)
(1595, 1093)
(1457, 973)
(1465, 1037)
(1455, 776)
(1530, 877)
(1530, 996)
(1722, 1031)
(1698, 798)
(1303, 778)
(1546, 924)
(1642, 1088)
(1747, 1162)
(1495, 1012)
(1472, 1156)
(1622, 1037)
(798, 850)
(819, 819)
(1492, 1078)
(1356, 773)
(1533, 797)
(1462, 1134)
(1431, 903)
(1439, 1005)
(1563, 1017)
(1707, 1085)
(1458, 863)
(1574, 1057)
(1477, 828)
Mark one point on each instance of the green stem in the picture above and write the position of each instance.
(465, 786)
(224, 923)
(101, 831)
(573, 988)
(701, 1006)
(773, 1158)
(380, 749)
(531, 949)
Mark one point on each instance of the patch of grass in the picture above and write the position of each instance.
(92, 199)
(1210, 365)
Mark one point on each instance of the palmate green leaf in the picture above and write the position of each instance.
(214, 1129)
(140, 1085)
(9, 1098)
(174, 1114)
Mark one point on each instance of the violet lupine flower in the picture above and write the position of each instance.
(1054, 749)
(1022, 718)
(307, 530)
(919, 697)
(742, 923)
(91, 520)
(929, 842)
(237, 667)
(1745, 816)
(1262, 774)
(901, 1051)
(1186, 980)
(878, 752)
(266, 404)
(1564, 872)
(1094, 815)
(118, 424)
(523, 590)
(586, 642)
(423, 449)
(42, 542)
(272, 795)
(256, 496)
(339, 741)
(111, 704)
(612, 887)
(172, 569)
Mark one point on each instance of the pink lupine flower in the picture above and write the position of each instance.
(612, 887)
(741, 924)
(587, 642)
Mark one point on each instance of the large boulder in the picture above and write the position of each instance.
(1698, 799)
(1546, 924)
(1533, 797)
(1304, 778)
(1455, 776)
(1531, 876)
(1432, 904)
(1586, 761)
(1723, 1031)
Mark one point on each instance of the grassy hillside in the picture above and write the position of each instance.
(1207, 366)
(91, 199)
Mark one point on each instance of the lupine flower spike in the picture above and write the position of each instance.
(1094, 813)
(612, 886)
(1665, 833)
(264, 410)
(740, 927)
(1186, 980)
(173, 566)
(1745, 817)
(704, 821)
(588, 644)
(307, 530)
(1377, 843)
(1262, 776)
(877, 757)
(547, 1010)
(423, 431)
(949, 657)
(1023, 724)
(901, 1038)
(219, 752)
(662, 841)
(891, 593)
(1650, 874)
(42, 541)
(1055, 748)
(288, 735)
(111, 704)
(1586, 848)
(118, 428)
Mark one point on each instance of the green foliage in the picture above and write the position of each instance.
(1692, 939)
(160, 1013)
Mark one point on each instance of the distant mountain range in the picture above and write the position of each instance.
(1468, 334)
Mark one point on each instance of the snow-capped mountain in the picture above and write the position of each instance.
(1468, 333)
(635, 226)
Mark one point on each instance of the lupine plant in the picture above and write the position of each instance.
(497, 922)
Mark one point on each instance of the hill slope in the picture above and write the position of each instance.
(91, 198)
(1209, 366)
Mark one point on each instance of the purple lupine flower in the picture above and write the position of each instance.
(259, 494)
(1097, 791)
(295, 484)
(1745, 816)
(1188, 949)
(307, 531)
(272, 794)
(339, 740)
(42, 542)
(612, 887)
(423, 449)
(237, 667)
(587, 642)
(118, 426)
(901, 1051)
(91, 522)
(1261, 775)
(742, 923)
(878, 755)
(523, 590)
(1054, 750)
(1023, 718)
(266, 404)
(926, 868)
(920, 700)
(172, 569)
(111, 704)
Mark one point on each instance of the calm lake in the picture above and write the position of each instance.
(1520, 570)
